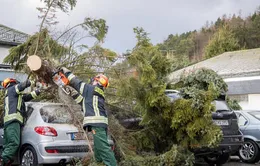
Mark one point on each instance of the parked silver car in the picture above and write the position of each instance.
(49, 136)
(249, 124)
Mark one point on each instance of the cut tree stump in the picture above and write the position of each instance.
(42, 68)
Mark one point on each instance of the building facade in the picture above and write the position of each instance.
(10, 37)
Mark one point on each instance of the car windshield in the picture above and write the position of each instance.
(255, 114)
(56, 114)
(221, 105)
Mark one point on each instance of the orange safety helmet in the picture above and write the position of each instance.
(102, 79)
(7, 81)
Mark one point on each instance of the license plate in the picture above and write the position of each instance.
(221, 122)
(77, 136)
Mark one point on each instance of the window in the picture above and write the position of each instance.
(28, 113)
(242, 121)
(173, 96)
(56, 114)
(255, 114)
(221, 105)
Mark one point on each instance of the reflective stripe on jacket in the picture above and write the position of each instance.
(92, 100)
(14, 107)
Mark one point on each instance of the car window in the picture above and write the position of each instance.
(242, 121)
(221, 105)
(28, 113)
(255, 114)
(173, 96)
(56, 114)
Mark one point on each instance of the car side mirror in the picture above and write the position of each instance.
(245, 122)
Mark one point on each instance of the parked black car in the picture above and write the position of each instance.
(232, 136)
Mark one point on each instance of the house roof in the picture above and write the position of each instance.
(228, 65)
(12, 37)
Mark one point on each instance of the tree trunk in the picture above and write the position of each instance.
(42, 68)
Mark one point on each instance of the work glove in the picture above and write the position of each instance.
(65, 70)
(41, 85)
(38, 91)
(32, 83)
(72, 91)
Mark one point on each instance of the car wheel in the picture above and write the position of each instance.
(29, 157)
(217, 159)
(249, 152)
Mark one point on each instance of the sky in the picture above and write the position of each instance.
(158, 17)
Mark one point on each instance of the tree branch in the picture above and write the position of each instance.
(68, 30)
(44, 18)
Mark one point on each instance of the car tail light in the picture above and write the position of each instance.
(45, 130)
(51, 151)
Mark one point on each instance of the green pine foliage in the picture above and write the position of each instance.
(187, 122)
(192, 115)
(48, 49)
(233, 104)
(175, 156)
(201, 79)
(191, 118)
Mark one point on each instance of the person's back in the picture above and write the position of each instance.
(92, 99)
(14, 110)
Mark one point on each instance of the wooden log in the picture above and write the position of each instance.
(42, 68)
(34, 62)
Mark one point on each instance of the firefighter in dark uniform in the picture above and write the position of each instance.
(14, 112)
(91, 98)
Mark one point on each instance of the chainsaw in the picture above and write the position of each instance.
(61, 80)
(36, 64)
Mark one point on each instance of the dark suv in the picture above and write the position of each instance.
(232, 137)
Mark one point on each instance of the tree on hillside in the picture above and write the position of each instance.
(223, 40)
(254, 29)
(242, 33)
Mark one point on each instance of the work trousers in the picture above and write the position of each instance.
(102, 150)
(12, 133)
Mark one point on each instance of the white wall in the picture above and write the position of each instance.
(253, 102)
(4, 51)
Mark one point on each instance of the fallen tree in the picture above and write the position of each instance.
(185, 124)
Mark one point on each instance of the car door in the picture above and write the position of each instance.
(243, 121)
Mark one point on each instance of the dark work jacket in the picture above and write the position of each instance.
(14, 106)
(92, 100)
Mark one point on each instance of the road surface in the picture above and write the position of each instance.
(233, 162)
(236, 162)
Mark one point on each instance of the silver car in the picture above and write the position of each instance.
(249, 124)
(49, 136)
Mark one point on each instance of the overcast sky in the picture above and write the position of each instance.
(158, 17)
